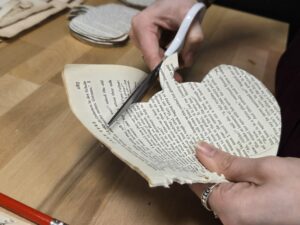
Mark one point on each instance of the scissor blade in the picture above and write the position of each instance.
(138, 93)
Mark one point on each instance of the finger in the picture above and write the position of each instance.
(153, 54)
(146, 36)
(225, 198)
(198, 189)
(234, 168)
(192, 44)
(178, 77)
(216, 197)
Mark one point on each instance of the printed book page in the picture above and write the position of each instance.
(230, 109)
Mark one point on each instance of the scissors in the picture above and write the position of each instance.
(175, 46)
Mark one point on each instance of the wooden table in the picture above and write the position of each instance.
(49, 161)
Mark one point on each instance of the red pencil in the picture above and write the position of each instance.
(27, 212)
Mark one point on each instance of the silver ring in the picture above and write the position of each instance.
(205, 195)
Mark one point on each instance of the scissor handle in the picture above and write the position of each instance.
(183, 29)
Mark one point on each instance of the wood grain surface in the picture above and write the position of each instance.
(49, 161)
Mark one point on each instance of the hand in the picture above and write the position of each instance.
(262, 191)
(151, 29)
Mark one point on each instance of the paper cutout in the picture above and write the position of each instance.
(105, 24)
(229, 108)
(138, 3)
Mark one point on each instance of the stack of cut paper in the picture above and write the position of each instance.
(19, 15)
(138, 3)
(106, 24)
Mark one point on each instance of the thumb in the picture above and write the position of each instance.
(192, 44)
(237, 169)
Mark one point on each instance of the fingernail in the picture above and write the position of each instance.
(205, 149)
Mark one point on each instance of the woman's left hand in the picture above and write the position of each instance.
(262, 191)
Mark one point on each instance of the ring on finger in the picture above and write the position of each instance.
(205, 195)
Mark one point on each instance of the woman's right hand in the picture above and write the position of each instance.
(153, 28)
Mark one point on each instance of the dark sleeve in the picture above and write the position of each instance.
(283, 10)
(276, 9)
(288, 97)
